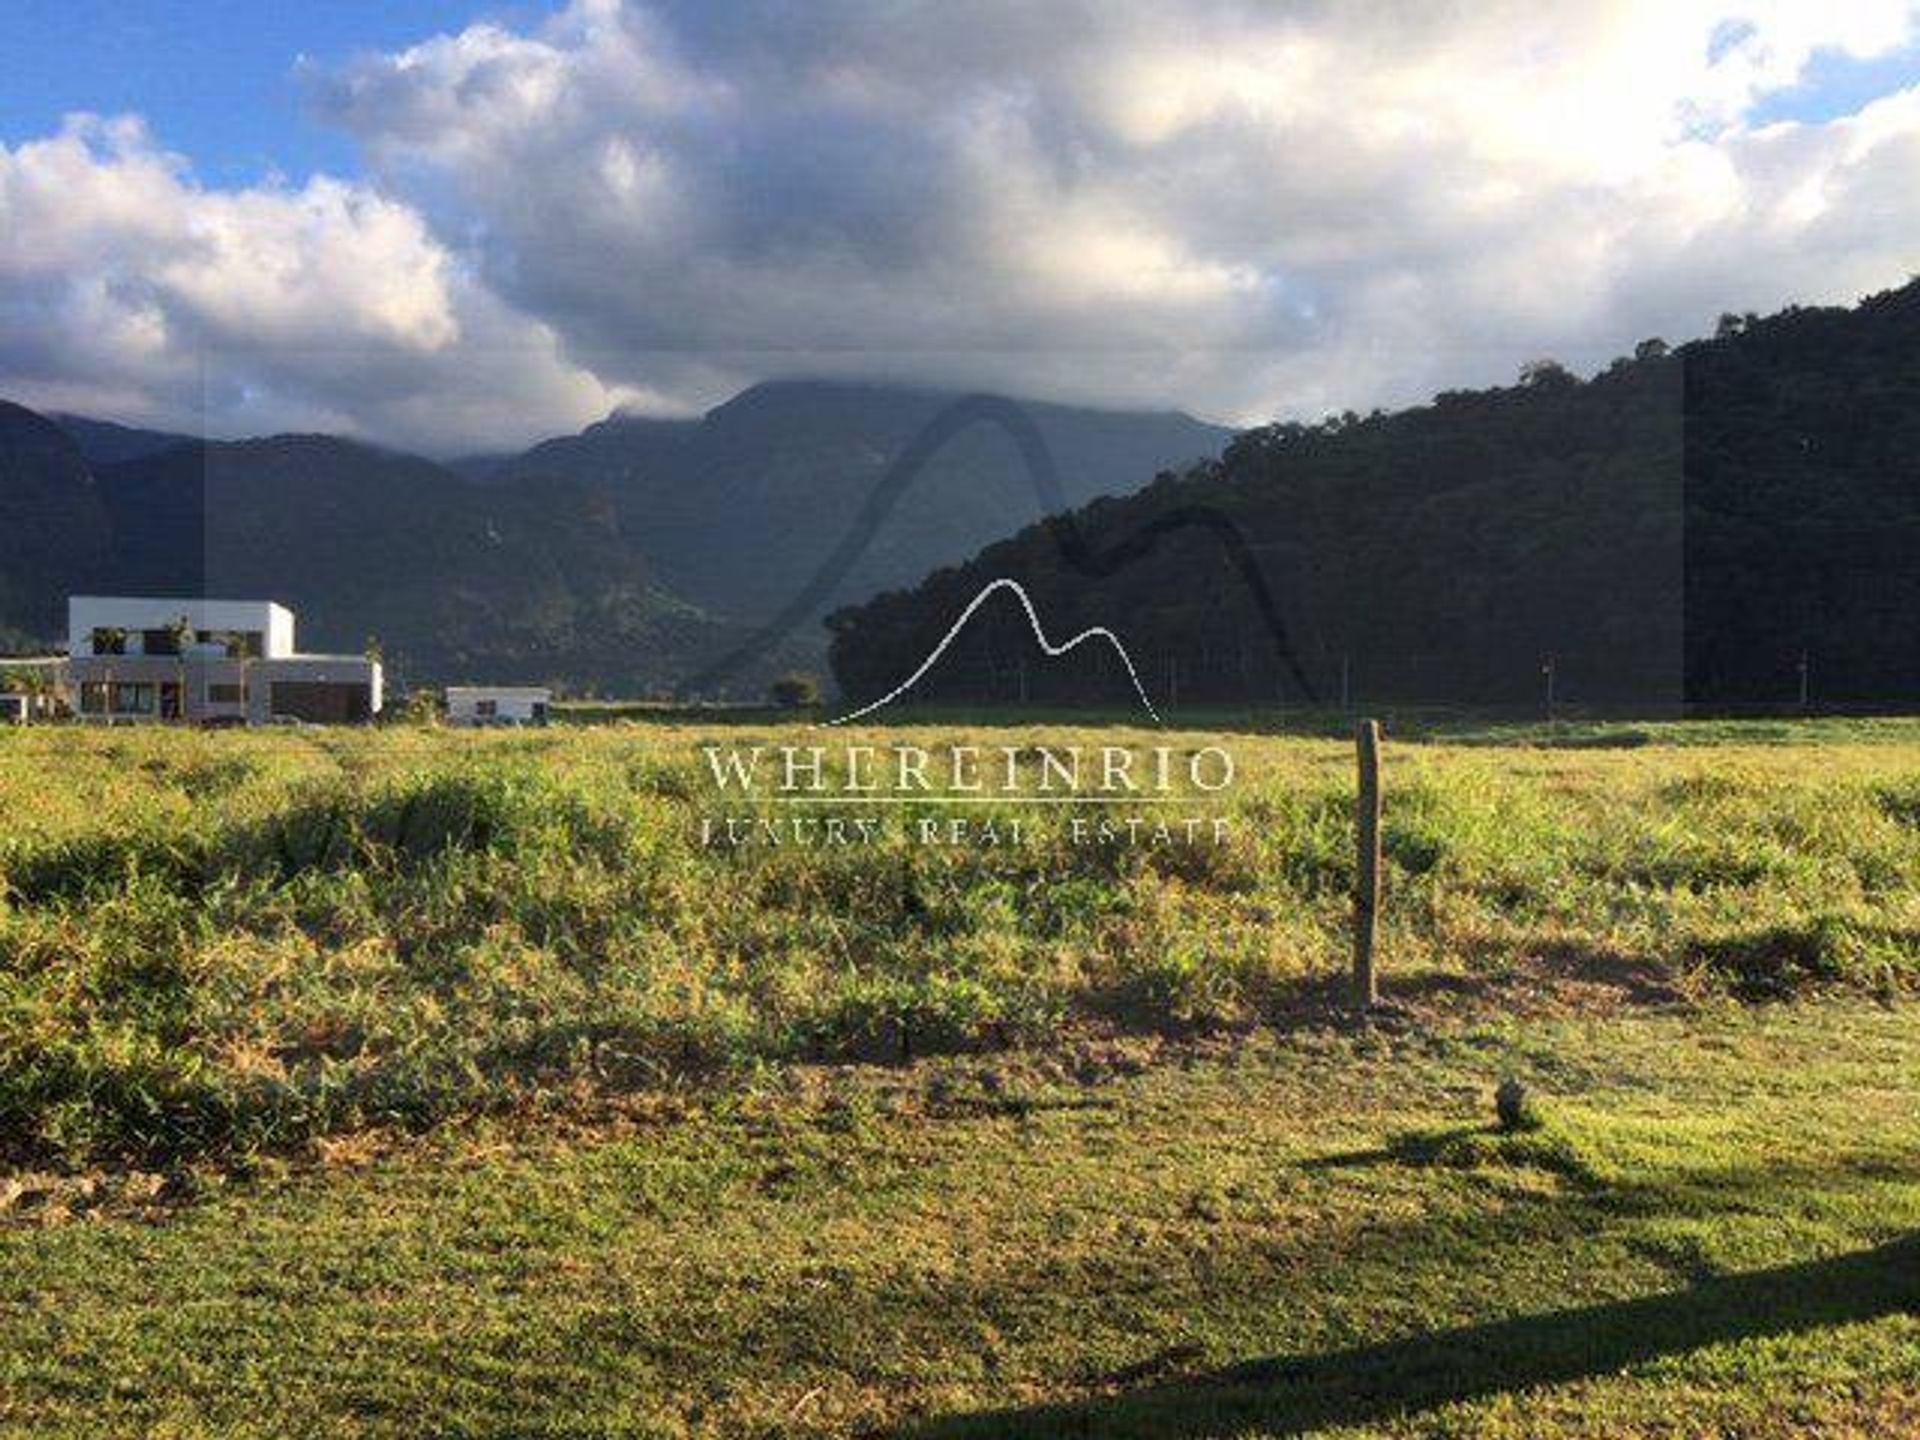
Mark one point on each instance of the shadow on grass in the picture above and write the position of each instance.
(1373, 1384)
(1470, 1147)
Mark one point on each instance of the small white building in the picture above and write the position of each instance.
(209, 661)
(498, 704)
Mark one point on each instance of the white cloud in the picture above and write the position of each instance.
(1239, 207)
(128, 289)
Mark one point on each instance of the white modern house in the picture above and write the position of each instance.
(206, 661)
(498, 704)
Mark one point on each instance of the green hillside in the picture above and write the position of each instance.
(1687, 524)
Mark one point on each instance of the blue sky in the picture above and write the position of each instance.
(215, 79)
(1835, 84)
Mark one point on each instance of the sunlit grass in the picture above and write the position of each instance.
(238, 942)
(1309, 1233)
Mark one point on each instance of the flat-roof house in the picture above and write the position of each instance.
(498, 704)
(132, 659)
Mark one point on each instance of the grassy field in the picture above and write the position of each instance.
(401, 1081)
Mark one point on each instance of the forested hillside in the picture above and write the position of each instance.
(53, 531)
(1689, 522)
(738, 509)
(454, 580)
(623, 560)
(1701, 522)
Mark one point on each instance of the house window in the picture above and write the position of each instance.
(109, 640)
(93, 697)
(486, 709)
(133, 699)
(222, 694)
(236, 644)
(160, 642)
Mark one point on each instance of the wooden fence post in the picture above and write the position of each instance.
(1366, 878)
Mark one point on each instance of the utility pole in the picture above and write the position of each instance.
(1546, 669)
(1805, 668)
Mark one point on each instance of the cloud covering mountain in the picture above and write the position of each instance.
(1242, 209)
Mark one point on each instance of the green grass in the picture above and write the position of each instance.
(402, 1082)
(1312, 1234)
(223, 944)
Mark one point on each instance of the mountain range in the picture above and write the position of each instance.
(1730, 522)
(618, 560)
(1733, 521)
(738, 510)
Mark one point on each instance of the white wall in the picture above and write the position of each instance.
(87, 613)
(512, 704)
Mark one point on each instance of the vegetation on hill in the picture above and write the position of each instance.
(1803, 504)
(624, 559)
(458, 581)
(1691, 523)
(53, 533)
(104, 443)
(739, 509)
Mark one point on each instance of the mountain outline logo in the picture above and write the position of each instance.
(991, 588)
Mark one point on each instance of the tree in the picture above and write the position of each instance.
(234, 644)
(179, 637)
(38, 686)
(108, 640)
(795, 690)
(422, 707)
(1653, 349)
(1544, 374)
